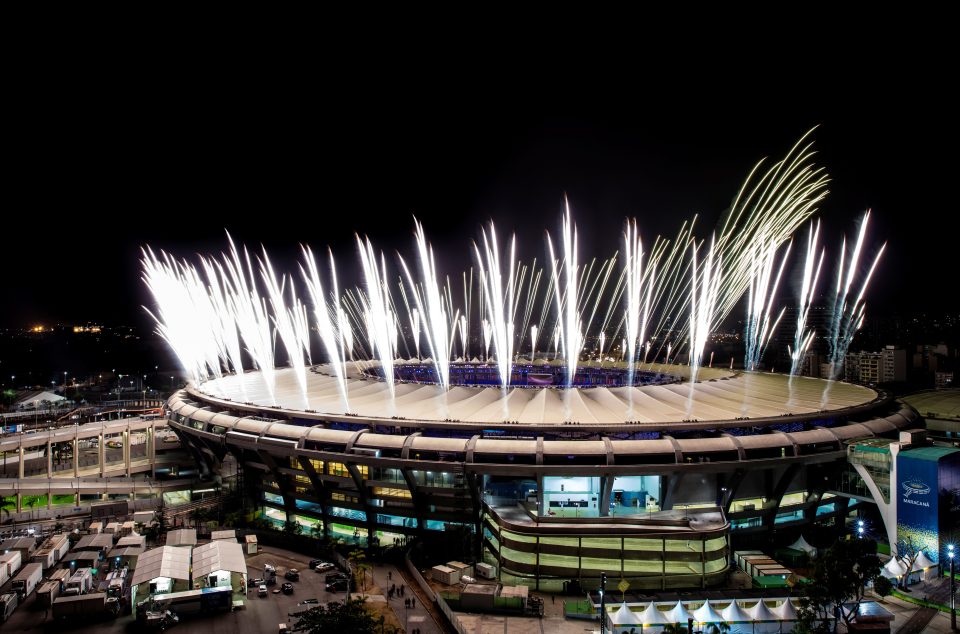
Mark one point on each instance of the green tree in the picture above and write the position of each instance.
(350, 616)
(839, 578)
(291, 527)
(358, 560)
(674, 628)
(882, 586)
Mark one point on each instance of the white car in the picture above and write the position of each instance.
(262, 591)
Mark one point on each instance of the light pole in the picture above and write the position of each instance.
(953, 591)
(860, 529)
(603, 603)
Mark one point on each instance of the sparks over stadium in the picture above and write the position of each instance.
(566, 411)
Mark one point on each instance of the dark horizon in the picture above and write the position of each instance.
(178, 186)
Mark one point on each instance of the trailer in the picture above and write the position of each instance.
(8, 603)
(26, 582)
(84, 605)
(9, 565)
(45, 557)
(60, 545)
(81, 582)
(47, 593)
(204, 600)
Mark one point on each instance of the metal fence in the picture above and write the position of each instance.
(445, 608)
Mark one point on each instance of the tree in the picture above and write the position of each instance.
(674, 628)
(358, 560)
(882, 586)
(906, 551)
(350, 616)
(839, 578)
(291, 527)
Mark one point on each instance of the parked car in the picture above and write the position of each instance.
(323, 566)
(287, 588)
(340, 585)
(262, 591)
(292, 575)
(271, 581)
(336, 576)
(253, 583)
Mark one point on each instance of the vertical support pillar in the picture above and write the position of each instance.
(152, 448)
(49, 459)
(19, 503)
(101, 453)
(20, 463)
(127, 440)
(76, 458)
(540, 509)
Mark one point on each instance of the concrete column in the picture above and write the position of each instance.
(20, 463)
(76, 458)
(49, 459)
(540, 509)
(19, 503)
(152, 448)
(101, 453)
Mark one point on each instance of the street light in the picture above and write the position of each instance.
(860, 528)
(953, 591)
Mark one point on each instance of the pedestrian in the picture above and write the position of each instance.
(413, 602)
(389, 575)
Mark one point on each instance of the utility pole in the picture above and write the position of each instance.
(603, 603)
(953, 591)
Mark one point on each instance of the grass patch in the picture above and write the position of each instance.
(927, 604)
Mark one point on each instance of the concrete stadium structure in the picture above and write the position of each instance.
(650, 482)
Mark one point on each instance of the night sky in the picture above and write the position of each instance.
(94, 182)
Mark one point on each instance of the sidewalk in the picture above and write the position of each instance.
(386, 575)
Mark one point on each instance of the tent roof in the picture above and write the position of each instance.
(678, 614)
(624, 616)
(786, 611)
(653, 616)
(218, 555)
(802, 544)
(922, 562)
(166, 561)
(706, 614)
(182, 537)
(893, 568)
(760, 612)
(734, 614)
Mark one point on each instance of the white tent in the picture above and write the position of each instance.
(623, 618)
(801, 544)
(706, 614)
(40, 400)
(216, 556)
(166, 561)
(922, 562)
(761, 613)
(786, 611)
(678, 614)
(653, 616)
(733, 614)
(893, 569)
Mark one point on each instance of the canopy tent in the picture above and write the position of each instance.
(801, 544)
(733, 614)
(678, 614)
(706, 614)
(653, 616)
(166, 561)
(623, 618)
(922, 562)
(786, 611)
(760, 612)
(893, 569)
(216, 556)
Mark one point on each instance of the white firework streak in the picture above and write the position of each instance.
(375, 304)
(811, 275)
(761, 295)
(330, 327)
(276, 289)
(439, 322)
(704, 295)
(250, 313)
(569, 324)
(219, 297)
(638, 302)
(848, 316)
(500, 295)
(534, 331)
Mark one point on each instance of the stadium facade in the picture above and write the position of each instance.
(655, 482)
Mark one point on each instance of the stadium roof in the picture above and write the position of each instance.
(936, 404)
(720, 395)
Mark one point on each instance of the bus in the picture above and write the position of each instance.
(188, 602)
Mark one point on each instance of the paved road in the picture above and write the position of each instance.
(918, 622)
(386, 575)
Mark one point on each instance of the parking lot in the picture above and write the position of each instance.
(259, 614)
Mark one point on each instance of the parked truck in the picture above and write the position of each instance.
(80, 583)
(9, 565)
(48, 592)
(84, 606)
(8, 603)
(27, 581)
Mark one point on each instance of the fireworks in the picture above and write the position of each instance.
(671, 296)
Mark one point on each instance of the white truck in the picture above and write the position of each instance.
(26, 582)
(8, 603)
(9, 565)
(80, 583)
